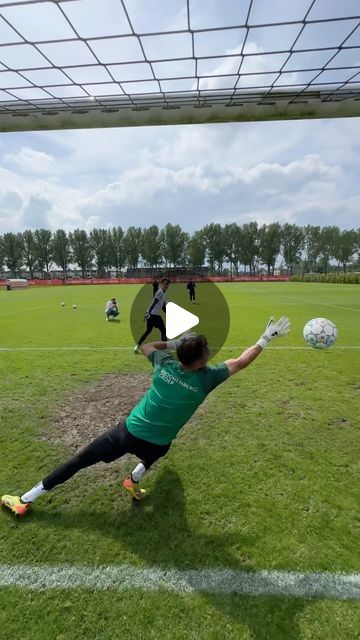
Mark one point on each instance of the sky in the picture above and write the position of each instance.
(302, 172)
(299, 171)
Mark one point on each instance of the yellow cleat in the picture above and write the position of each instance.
(15, 505)
(130, 486)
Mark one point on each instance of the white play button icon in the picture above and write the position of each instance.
(178, 320)
(212, 319)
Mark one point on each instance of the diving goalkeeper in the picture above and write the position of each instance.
(179, 386)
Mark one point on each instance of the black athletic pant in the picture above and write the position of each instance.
(111, 445)
(154, 322)
(192, 294)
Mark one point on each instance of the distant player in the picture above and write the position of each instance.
(111, 309)
(155, 286)
(153, 315)
(178, 387)
(191, 289)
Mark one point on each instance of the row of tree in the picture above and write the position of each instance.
(244, 247)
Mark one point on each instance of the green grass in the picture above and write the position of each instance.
(264, 477)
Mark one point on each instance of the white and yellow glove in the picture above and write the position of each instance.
(274, 329)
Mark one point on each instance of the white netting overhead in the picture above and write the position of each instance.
(82, 56)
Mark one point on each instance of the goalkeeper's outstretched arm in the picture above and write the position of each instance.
(160, 346)
(153, 346)
(247, 357)
(274, 329)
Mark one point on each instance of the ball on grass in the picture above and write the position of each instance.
(62, 304)
(74, 306)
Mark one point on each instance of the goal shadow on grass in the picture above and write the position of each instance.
(158, 532)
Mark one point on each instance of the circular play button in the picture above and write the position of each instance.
(178, 320)
(208, 314)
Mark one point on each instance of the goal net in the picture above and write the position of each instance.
(117, 63)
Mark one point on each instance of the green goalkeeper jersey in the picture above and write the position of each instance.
(172, 399)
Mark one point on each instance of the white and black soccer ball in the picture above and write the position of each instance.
(320, 333)
(62, 304)
(74, 306)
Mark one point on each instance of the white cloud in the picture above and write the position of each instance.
(309, 167)
(31, 161)
(263, 171)
(139, 185)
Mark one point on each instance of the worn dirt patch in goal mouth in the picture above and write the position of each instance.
(97, 407)
(94, 408)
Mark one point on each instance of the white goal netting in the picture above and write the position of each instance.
(92, 63)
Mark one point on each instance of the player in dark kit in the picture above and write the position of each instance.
(178, 387)
(155, 286)
(153, 315)
(191, 289)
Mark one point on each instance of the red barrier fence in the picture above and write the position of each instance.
(111, 281)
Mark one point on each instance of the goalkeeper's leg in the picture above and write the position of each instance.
(148, 453)
(109, 446)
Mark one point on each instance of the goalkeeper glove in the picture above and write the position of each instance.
(274, 329)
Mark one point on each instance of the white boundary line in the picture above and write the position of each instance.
(285, 348)
(225, 581)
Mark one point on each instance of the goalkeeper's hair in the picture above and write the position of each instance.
(192, 349)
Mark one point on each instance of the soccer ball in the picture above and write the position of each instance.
(320, 333)
(74, 306)
(62, 304)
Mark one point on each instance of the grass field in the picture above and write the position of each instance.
(264, 478)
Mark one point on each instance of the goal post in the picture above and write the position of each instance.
(183, 109)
